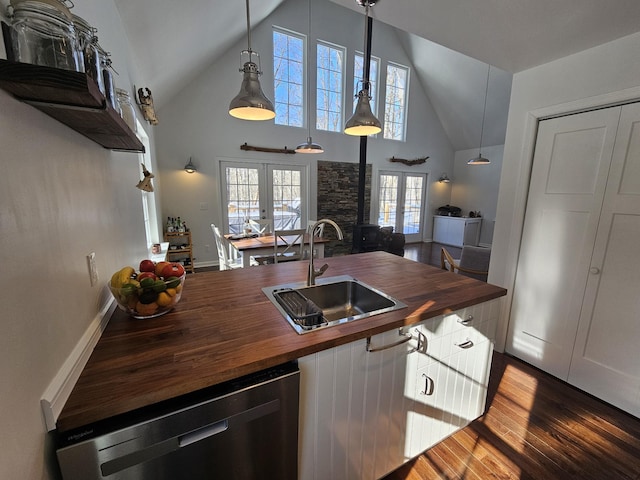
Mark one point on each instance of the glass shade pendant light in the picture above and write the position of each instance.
(251, 103)
(309, 146)
(480, 160)
(363, 122)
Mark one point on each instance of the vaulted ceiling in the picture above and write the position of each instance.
(449, 42)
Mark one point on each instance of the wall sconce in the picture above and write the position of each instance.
(190, 167)
(444, 179)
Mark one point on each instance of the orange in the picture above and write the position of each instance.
(164, 299)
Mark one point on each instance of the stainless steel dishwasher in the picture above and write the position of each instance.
(242, 429)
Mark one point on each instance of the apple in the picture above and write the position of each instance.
(147, 266)
(144, 275)
(173, 270)
(159, 267)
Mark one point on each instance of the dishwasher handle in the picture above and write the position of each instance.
(202, 433)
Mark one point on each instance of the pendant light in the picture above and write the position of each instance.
(480, 160)
(363, 122)
(309, 146)
(251, 103)
(190, 167)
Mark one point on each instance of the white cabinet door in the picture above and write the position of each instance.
(604, 358)
(352, 411)
(451, 377)
(570, 168)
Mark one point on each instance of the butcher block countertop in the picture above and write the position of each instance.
(225, 327)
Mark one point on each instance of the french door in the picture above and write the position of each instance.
(401, 200)
(263, 191)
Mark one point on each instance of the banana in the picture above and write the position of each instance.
(121, 276)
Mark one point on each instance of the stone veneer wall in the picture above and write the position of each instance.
(338, 200)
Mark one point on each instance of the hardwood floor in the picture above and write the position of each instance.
(536, 427)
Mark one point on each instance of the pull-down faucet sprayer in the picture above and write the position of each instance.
(313, 273)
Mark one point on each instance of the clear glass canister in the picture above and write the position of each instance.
(91, 52)
(127, 112)
(43, 34)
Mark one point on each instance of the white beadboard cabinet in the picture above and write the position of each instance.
(363, 414)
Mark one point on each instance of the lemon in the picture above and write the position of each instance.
(164, 299)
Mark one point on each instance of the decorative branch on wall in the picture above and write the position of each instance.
(416, 161)
(269, 150)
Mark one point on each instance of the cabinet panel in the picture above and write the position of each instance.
(456, 231)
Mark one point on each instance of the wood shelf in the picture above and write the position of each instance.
(182, 253)
(72, 98)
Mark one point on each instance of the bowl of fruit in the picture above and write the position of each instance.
(153, 290)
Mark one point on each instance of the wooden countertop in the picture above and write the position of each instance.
(225, 327)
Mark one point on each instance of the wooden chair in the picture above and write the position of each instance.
(319, 229)
(262, 226)
(293, 242)
(474, 262)
(229, 258)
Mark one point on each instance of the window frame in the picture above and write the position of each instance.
(322, 114)
(405, 106)
(357, 80)
(303, 80)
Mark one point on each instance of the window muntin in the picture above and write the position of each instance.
(288, 78)
(396, 102)
(358, 74)
(329, 89)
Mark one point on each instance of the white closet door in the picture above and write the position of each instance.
(605, 359)
(568, 180)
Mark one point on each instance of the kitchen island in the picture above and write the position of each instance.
(225, 327)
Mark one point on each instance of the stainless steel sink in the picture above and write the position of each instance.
(330, 302)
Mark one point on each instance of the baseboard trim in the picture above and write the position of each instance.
(58, 391)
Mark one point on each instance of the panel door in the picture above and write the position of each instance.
(568, 179)
(605, 355)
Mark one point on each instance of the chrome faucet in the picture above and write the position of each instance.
(313, 273)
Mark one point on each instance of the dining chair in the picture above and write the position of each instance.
(319, 231)
(261, 227)
(293, 242)
(474, 262)
(229, 258)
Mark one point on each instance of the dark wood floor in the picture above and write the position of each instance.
(536, 427)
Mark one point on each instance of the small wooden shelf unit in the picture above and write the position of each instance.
(180, 249)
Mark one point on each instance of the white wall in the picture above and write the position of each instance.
(596, 77)
(475, 187)
(61, 197)
(196, 123)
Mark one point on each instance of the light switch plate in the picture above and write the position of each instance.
(93, 270)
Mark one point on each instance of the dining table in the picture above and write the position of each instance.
(253, 245)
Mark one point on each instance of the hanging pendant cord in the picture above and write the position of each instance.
(484, 111)
(248, 31)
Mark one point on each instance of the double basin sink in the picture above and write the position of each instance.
(332, 301)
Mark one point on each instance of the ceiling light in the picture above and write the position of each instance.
(444, 179)
(309, 146)
(480, 160)
(190, 167)
(363, 122)
(251, 103)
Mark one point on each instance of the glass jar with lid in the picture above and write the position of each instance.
(127, 112)
(91, 51)
(43, 34)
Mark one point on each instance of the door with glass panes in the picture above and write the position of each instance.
(263, 191)
(401, 200)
